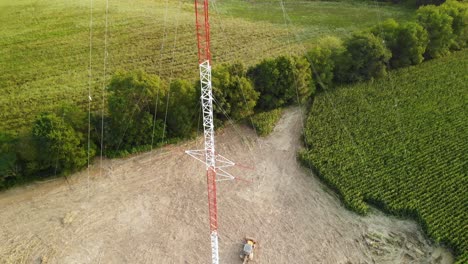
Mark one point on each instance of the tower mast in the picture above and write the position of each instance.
(204, 61)
(215, 164)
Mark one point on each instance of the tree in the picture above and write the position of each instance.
(265, 77)
(61, 148)
(407, 42)
(281, 81)
(439, 28)
(412, 41)
(388, 31)
(135, 101)
(8, 159)
(365, 57)
(302, 76)
(459, 14)
(182, 108)
(28, 153)
(233, 92)
(322, 61)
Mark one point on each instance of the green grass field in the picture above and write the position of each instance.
(44, 45)
(310, 19)
(400, 143)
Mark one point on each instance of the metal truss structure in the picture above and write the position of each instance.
(208, 155)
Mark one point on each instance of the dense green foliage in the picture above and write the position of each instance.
(400, 144)
(131, 110)
(7, 158)
(365, 57)
(282, 81)
(264, 122)
(55, 145)
(182, 109)
(233, 91)
(439, 27)
(459, 13)
(407, 42)
(322, 61)
(60, 147)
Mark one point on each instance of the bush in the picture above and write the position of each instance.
(62, 149)
(439, 28)
(131, 111)
(412, 40)
(303, 87)
(265, 76)
(322, 61)
(8, 159)
(365, 57)
(407, 42)
(233, 92)
(387, 31)
(27, 153)
(459, 13)
(281, 81)
(265, 122)
(182, 109)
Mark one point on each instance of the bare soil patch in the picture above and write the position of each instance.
(152, 208)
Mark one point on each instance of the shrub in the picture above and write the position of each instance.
(459, 13)
(439, 28)
(365, 57)
(412, 40)
(387, 31)
(322, 61)
(62, 149)
(265, 76)
(407, 42)
(302, 76)
(233, 92)
(281, 81)
(182, 108)
(28, 153)
(264, 122)
(8, 159)
(131, 110)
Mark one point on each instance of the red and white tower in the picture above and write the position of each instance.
(214, 162)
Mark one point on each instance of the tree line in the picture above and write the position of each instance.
(143, 111)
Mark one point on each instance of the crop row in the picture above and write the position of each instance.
(406, 158)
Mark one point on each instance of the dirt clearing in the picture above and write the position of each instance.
(152, 208)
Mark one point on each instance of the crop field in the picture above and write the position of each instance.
(44, 45)
(401, 144)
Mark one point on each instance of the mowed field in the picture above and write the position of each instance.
(45, 45)
(400, 143)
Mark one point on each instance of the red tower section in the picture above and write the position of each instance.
(203, 30)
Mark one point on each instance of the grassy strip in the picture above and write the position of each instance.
(399, 143)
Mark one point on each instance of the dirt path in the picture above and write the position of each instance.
(152, 209)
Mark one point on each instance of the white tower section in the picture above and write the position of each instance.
(210, 160)
(208, 155)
